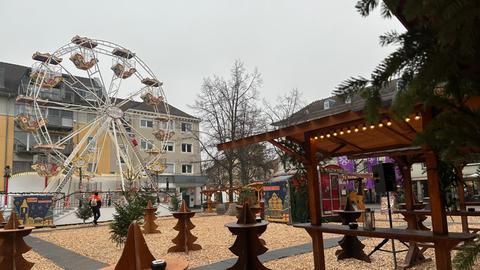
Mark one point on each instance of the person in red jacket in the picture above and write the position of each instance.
(95, 204)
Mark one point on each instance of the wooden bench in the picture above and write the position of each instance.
(449, 213)
(445, 242)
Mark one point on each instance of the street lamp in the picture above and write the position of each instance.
(79, 164)
(6, 175)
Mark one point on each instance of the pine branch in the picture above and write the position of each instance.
(364, 7)
(466, 256)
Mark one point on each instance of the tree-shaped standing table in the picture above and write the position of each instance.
(149, 218)
(137, 256)
(351, 247)
(184, 241)
(12, 245)
(208, 193)
(247, 246)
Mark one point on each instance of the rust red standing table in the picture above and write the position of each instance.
(351, 246)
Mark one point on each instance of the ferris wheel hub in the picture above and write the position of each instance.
(114, 112)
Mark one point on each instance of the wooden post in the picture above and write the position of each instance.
(314, 202)
(461, 197)
(439, 218)
(414, 255)
(405, 168)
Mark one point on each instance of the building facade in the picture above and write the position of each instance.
(182, 158)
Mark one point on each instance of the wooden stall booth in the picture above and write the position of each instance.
(343, 131)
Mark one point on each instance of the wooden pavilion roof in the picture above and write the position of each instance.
(344, 133)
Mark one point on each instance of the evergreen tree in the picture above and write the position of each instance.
(436, 60)
(126, 213)
(84, 211)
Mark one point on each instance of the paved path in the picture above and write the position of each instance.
(62, 257)
(274, 254)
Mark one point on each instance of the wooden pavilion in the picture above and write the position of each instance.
(342, 130)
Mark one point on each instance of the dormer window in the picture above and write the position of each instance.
(328, 103)
(348, 100)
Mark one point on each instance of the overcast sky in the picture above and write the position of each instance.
(311, 45)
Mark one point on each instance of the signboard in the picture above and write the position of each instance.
(277, 201)
(34, 210)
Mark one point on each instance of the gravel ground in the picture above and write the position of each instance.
(216, 239)
(41, 263)
(380, 260)
(212, 235)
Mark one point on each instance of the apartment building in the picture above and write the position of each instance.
(183, 170)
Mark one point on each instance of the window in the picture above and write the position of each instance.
(187, 168)
(168, 125)
(348, 100)
(170, 168)
(186, 148)
(328, 103)
(146, 123)
(145, 144)
(169, 147)
(186, 127)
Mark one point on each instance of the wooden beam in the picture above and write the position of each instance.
(340, 120)
(404, 125)
(314, 203)
(287, 150)
(439, 219)
(336, 149)
(461, 197)
(410, 150)
(388, 130)
(342, 141)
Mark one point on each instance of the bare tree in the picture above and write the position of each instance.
(285, 106)
(279, 114)
(229, 111)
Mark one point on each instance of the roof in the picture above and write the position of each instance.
(11, 76)
(316, 109)
(135, 105)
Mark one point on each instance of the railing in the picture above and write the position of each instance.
(62, 202)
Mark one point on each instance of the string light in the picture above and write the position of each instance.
(363, 127)
(417, 116)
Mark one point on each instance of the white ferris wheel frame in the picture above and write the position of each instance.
(103, 125)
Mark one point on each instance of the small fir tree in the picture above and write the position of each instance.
(129, 212)
(84, 211)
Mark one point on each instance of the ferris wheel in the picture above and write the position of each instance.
(100, 82)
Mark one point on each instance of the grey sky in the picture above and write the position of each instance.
(308, 44)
